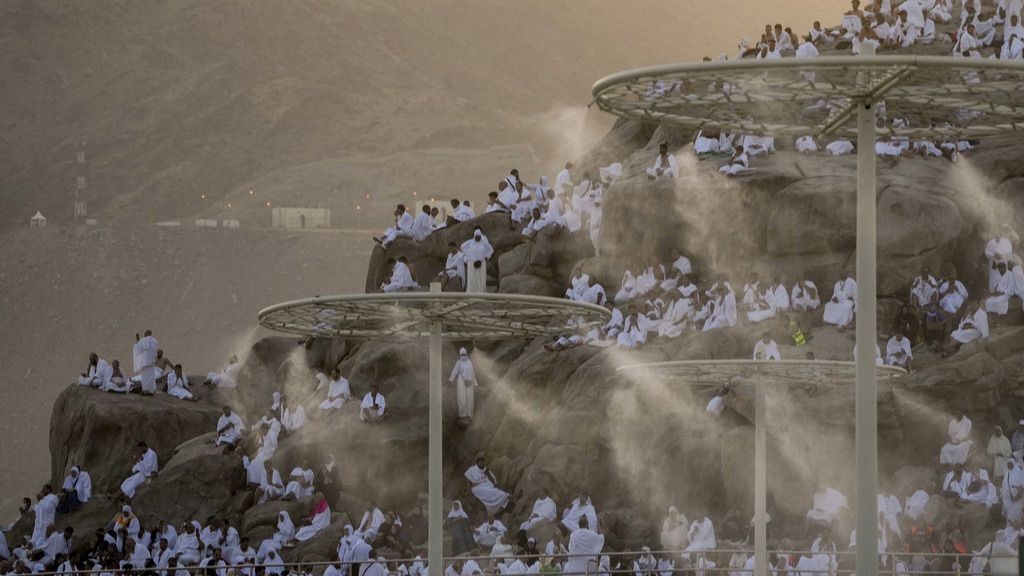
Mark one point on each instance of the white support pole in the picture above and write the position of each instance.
(866, 391)
(760, 483)
(435, 500)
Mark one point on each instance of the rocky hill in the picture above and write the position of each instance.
(568, 421)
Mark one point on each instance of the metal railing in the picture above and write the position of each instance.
(697, 563)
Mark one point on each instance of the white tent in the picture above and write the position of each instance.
(37, 220)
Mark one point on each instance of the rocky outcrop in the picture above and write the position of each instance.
(99, 431)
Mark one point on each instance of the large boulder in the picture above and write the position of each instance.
(198, 483)
(99, 431)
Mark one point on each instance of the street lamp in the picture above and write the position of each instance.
(944, 98)
(438, 316)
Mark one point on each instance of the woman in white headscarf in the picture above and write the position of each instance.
(674, 530)
(458, 526)
(77, 490)
(284, 535)
(465, 381)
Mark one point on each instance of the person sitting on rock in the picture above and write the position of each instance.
(766, 348)
(229, 428)
(178, 385)
(116, 382)
(840, 309)
(973, 325)
(126, 523)
(338, 392)
(544, 509)
(665, 164)
(300, 486)
(897, 351)
(401, 279)
(488, 533)
(423, 225)
(536, 223)
(485, 487)
(957, 448)
(96, 374)
(952, 294)
(402, 227)
(146, 465)
(226, 378)
(739, 162)
(454, 269)
(581, 508)
(75, 491)
(269, 485)
(373, 407)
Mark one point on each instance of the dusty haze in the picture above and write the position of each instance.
(333, 104)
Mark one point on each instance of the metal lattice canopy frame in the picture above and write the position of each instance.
(942, 97)
(767, 372)
(463, 316)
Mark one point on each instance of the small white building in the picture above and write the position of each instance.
(38, 220)
(286, 217)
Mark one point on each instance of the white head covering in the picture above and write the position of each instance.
(457, 511)
(126, 509)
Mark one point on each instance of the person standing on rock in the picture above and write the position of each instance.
(454, 268)
(146, 465)
(585, 545)
(46, 512)
(465, 382)
(477, 251)
(144, 355)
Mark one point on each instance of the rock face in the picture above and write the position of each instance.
(99, 431)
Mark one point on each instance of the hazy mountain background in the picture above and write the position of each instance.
(199, 108)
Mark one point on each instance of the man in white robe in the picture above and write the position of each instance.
(723, 313)
(373, 407)
(401, 277)
(423, 225)
(840, 147)
(146, 464)
(487, 534)
(585, 545)
(563, 180)
(338, 392)
(465, 382)
(766, 348)
(293, 418)
(956, 450)
(633, 333)
(952, 294)
(229, 428)
(897, 351)
(665, 164)
(973, 325)
(144, 356)
(186, 548)
(738, 163)
(46, 512)
(300, 484)
(701, 535)
(97, 373)
(924, 289)
(840, 309)
(226, 378)
(828, 505)
(477, 251)
(270, 486)
(999, 249)
(178, 384)
(580, 508)
(402, 227)
(454, 268)
(484, 487)
(999, 302)
(544, 509)
(1011, 492)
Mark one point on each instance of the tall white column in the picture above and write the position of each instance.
(435, 500)
(866, 391)
(760, 482)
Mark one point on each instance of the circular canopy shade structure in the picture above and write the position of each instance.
(761, 374)
(941, 97)
(462, 315)
(438, 315)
